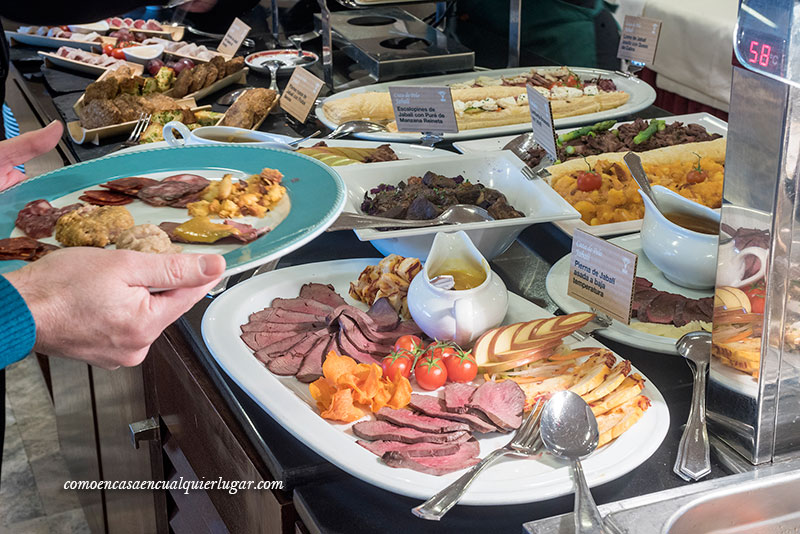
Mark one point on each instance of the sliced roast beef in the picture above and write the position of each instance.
(466, 456)
(312, 307)
(357, 337)
(434, 407)
(381, 447)
(384, 315)
(266, 326)
(423, 423)
(456, 397)
(285, 344)
(373, 430)
(661, 309)
(323, 293)
(502, 402)
(277, 315)
(349, 349)
(370, 328)
(259, 340)
(311, 369)
(286, 365)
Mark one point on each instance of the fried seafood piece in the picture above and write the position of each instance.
(147, 238)
(92, 226)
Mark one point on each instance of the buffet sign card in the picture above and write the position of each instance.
(602, 275)
(300, 94)
(542, 122)
(233, 38)
(423, 109)
(639, 39)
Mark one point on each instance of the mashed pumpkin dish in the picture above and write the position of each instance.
(602, 189)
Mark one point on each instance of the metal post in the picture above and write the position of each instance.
(276, 27)
(514, 25)
(327, 45)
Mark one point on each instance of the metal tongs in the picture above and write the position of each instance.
(520, 146)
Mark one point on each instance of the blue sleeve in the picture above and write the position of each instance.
(17, 328)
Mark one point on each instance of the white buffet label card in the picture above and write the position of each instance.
(233, 38)
(542, 122)
(423, 109)
(639, 39)
(300, 94)
(602, 275)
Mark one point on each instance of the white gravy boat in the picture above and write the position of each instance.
(685, 257)
(459, 315)
(205, 136)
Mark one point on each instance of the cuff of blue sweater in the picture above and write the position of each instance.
(17, 327)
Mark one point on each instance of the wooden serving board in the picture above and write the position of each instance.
(81, 135)
(257, 124)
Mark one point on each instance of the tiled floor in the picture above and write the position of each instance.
(32, 497)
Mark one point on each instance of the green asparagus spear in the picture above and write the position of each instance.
(648, 132)
(577, 134)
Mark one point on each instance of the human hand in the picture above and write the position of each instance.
(94, 305)
(23, 148)
(198, 6)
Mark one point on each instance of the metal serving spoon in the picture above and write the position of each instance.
(694, 461)
(346, 128)
(634, 164)
(230, 98)
(456, 214)
(569, 430)
(273, 65)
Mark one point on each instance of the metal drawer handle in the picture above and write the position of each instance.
(145, 430)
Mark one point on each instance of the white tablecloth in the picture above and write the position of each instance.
(693, 58)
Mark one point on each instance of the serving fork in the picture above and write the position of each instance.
(141, 125)
(525, 442)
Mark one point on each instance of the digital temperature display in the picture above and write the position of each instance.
(765, 54)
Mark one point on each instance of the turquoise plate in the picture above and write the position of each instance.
(316, 191)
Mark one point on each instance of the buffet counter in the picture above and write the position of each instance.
(199, 425)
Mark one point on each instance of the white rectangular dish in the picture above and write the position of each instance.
(711, 123)
(51, 59)
(16, 38)
(641, 96)
(497, 170)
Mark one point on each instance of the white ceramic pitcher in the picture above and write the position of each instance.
(450, 314)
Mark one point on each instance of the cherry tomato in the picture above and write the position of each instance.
(430, 373)
(411, 344)
(118, 53)
(461, 366)
(573, 81)
(589, 181)
(397, 363)
(695, 177)
(107, 49)
(757, 295)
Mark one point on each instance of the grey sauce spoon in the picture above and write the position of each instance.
(694, 458)
(569, 430)
(349, 127)
(634, 164)
(456, 214)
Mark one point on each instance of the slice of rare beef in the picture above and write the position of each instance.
(434, 407)
(351, 350)
(311, 368)
(277, 315)
(502, 402)
(373, 430)
(423, 423)
(286, 365)
(457, 395)
(357, 337)
(381, 447)
(303, 305)
(384, 315)
(266, 326)
(323, 293)
(466, 456)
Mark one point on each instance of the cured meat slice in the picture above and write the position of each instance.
(152, 25)
(323, 293)
(423, 423)
(466, 456)
(23, 248)
(130, 185)
(193, 179)
(434, 407)
(373, 430)
(162, 193)
(246, 233)
(38, 218)
(185, 200)
(502, 402)
(412, 450)
(311, 369)
(456, 396)
(101, 197)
